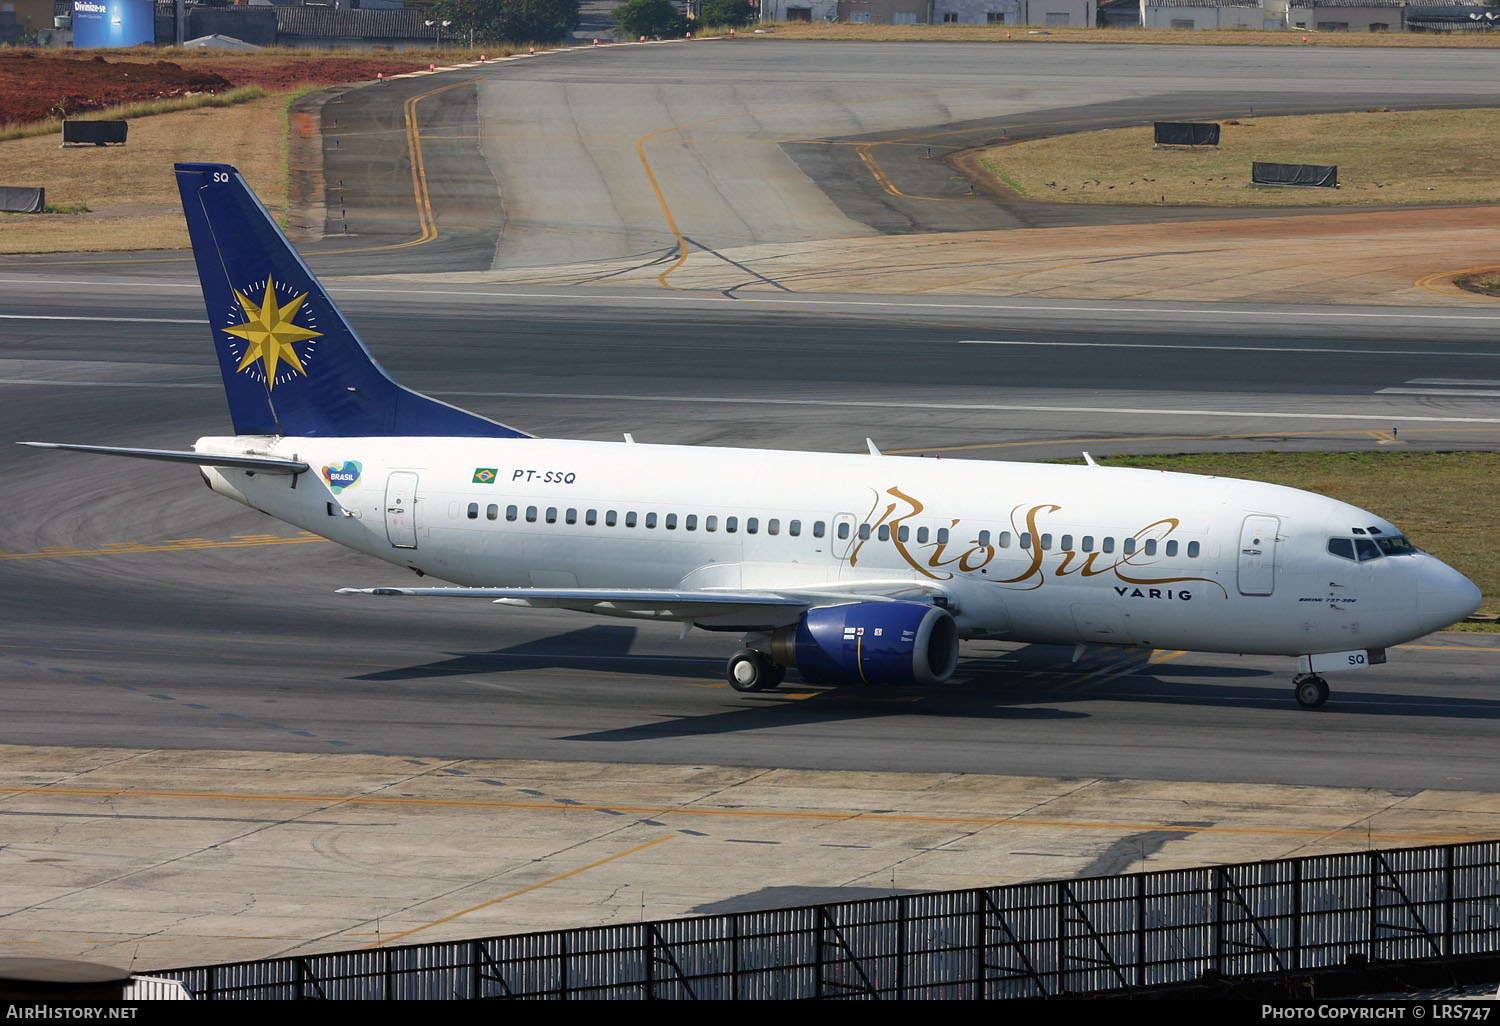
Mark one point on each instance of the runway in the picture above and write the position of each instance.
(237, 640)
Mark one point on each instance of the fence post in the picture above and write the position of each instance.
(900, 949)
(1449, 909)
(1140, 929)
(1297, 915)
(979, 937)
(1217, 923)
(734, 958)
(650, 956)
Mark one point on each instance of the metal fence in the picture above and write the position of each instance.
(1061, 937)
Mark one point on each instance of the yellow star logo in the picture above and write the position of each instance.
(269, 329)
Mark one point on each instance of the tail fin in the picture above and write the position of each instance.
(292, 365)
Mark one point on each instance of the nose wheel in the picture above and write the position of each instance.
(1310, 689)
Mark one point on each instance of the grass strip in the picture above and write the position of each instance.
(143, 109)
(1383, 157)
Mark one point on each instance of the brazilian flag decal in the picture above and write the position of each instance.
(485, 475)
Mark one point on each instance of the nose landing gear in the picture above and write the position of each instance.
(1310, 689)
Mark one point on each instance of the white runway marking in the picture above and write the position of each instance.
(1230, 349)
(886, 404)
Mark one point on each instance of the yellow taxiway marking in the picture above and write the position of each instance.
(842, 816)
(1453, 291)
(661, 199)
(169, 545)
(514, 894)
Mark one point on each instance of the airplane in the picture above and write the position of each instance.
(851, 568)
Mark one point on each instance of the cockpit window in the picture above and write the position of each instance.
(1396, 545)
(1365, 549)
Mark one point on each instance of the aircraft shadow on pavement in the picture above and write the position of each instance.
(604, 647)
(1031, 682)
(1045, 673)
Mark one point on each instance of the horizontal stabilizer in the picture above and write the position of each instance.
(239, 461)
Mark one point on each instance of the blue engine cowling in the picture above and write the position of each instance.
(871, 643)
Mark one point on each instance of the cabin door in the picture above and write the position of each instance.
(401, 509)
(1257, 558)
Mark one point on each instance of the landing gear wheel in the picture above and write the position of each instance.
(1311, 690)
(749, 670)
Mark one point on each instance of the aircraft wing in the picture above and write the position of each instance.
(748, 609)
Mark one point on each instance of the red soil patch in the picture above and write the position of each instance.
(35, 86)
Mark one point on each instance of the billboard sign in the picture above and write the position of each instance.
(99, 23)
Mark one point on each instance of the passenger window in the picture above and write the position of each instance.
(1193, 550)
(571, 516)
(1067, 542)
(492, 512)
(591, 517)
(710, 523)
(1171, 548)
(1129, 546)
(731, 524)
(650, 519)
(794, 528)
(611, 518)
(843, 531)
(818, 528)
(511, 512)
(773, 526)
(691, 522)
(1088, 543)
(630, 518)
(903, 533)
(864, 532)
(983, 539)
(551, 514)
(1342, 547)
(883, 533)
(473, 511)
(922, 534)
(531, 514)
(1109, 545)
(1025, 539)
(1005, 539)
(752, 525)
(1150, 546)
(1366, 549)
(942, 536)
(671, 521)
(1046, 542)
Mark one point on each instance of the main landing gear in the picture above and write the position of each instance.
(1310, 689)
(749, 670)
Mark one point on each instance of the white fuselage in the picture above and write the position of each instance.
(1030, 552)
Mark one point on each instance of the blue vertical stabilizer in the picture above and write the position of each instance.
(292, 365)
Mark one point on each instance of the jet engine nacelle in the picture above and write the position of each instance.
(871, 643)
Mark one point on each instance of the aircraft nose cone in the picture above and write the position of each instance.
(1444, 596)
